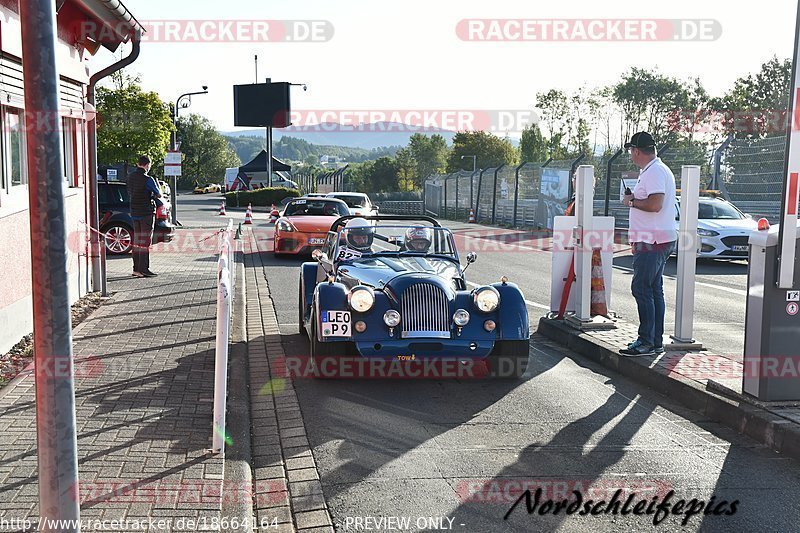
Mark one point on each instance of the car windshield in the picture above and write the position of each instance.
(718, 210)
(313, 207)
(395, 241)
(352, 200)
(713, 210)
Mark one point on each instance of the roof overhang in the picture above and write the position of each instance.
(106, 23)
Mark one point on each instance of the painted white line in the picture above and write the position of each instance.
(528, 302)
(738, 292)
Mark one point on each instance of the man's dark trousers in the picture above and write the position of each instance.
(142, 238)
(648, 289)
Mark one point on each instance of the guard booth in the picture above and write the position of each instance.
(772, 323)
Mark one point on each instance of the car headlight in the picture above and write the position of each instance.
(486, 299)
(284, 225)
(707, 232)
(361, 299)
(391, 318)
(461, 318)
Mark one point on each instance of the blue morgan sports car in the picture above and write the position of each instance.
(391, 288)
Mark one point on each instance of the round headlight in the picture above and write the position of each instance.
(361, 299)
(391, 318)
(461, 318)
(486, 299)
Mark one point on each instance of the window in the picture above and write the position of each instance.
(68, 151)
(15, 165)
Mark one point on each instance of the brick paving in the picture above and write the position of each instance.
(287, 486)
(698, 366)
(144, 389)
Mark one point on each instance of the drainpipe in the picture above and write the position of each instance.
(98, 252)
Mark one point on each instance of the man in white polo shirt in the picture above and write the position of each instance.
(652, 235)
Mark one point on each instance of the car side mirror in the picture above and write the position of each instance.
(319, 256)
(748, 215)
(377, 208)
(471, 258)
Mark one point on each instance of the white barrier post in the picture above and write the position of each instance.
(221, 361)
(687, 260)
(584, 210)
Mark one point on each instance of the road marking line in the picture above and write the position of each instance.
(737, 292)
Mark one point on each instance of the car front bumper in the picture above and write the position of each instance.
(298, 243)
(426, 348)
(724, 246)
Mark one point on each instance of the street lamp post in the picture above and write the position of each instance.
(174, 146)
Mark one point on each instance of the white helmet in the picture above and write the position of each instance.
(359, 233)
(418, 239)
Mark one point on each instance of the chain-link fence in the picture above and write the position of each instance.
(752, 174)
(749, 173)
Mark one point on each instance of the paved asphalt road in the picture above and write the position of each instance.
(461, 449)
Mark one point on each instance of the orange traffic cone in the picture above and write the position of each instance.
(222, 209)
(273, 214)
(598, 305)
(248, 215)
(471, 216)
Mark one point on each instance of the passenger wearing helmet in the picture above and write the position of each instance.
(418, 239)
(359, 234)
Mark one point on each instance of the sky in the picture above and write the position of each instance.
(409, 56)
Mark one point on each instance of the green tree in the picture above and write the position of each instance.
(429, 154)
(489, 149)
(649, 101)
(406, 168)
(757, 104)
(533, 146)
(553, 108)
(131, 123)
(206, 152)
(383, 175)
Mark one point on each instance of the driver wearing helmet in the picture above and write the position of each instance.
(418, 239)
(359, 234)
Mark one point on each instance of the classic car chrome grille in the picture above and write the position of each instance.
(425, 312)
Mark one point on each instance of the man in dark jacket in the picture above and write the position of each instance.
(142, 190)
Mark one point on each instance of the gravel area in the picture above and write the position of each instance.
(21, 354)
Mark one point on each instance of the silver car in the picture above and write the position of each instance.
(358, 203)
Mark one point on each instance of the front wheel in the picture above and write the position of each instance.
(301, 312)
(509, 359)
(326, 355)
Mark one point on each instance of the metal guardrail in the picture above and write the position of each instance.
(410, 207)
(226, 279)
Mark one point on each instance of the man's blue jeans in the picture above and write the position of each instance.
(648, 289)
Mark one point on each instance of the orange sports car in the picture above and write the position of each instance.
(304, 224)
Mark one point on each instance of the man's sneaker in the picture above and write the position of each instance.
(149, 274)
(637, 348)
(658, 350)
(138, 275)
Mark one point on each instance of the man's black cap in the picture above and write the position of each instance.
(641, 140)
